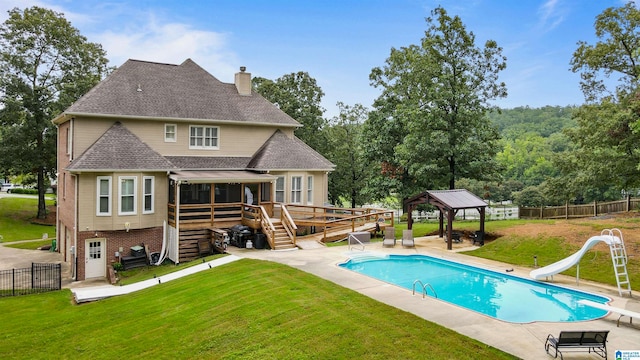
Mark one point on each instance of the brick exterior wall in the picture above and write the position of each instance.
(151, 237)
(65, 195)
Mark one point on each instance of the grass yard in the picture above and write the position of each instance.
(248, 309)
(16, 216)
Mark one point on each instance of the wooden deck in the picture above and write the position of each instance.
(337, 233)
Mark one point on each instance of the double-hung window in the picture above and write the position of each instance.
(280, 189)
(203, 137)
(309, 190)
(170, 133)
(103, 193)
(148, 188)
(296, 189)
(127, 195)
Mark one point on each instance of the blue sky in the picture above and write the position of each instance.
(337, 42)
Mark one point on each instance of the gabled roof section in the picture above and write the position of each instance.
(140, 89)
(118, 149)
(448, 199)
(283, 153)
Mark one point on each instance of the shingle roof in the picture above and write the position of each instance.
(450, 199)
(119, 149)
(209, 163)
(185, 91)
(283, 153)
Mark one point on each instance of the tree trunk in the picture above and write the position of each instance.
(452, 173)
(42, 205)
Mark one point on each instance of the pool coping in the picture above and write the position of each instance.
(524, 340)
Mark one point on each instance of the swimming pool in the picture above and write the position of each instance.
(499, 295)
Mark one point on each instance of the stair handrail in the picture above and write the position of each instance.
(288, 223)
(267, 226)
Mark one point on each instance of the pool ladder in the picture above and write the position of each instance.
(424, 288)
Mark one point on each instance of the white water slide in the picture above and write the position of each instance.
(564, 264)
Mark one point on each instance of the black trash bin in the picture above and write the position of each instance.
(259, 241)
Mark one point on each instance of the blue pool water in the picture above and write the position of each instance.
(499, 295)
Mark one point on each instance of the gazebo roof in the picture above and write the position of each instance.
(448, 199)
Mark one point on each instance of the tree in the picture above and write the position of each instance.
(45, 65)
(431, 116)
(350, 177)
(298, 95)
(617, 52)
(605, 153)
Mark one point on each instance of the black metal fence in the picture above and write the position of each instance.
(38, 278)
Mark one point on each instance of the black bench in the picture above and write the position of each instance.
(478, 237)
(578, 341)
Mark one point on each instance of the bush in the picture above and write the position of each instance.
(118, 266)
(24, 191)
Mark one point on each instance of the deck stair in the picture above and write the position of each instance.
(281, 239)
(619, 259)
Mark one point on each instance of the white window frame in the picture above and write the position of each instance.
(296, 189)
(310, 189)
(121, 179)
(280, 190)
(148, 193)
(99, 195)
(205, 136)
(170, 136)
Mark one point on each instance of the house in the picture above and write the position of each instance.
(165, 155)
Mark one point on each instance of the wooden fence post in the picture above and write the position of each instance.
(595, 208)
(566, 209)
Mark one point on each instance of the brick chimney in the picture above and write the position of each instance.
(243, 82)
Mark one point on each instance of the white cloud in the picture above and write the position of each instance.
(159, 41)
(551, 15)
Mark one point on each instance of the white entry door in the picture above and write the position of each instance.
(95, 261)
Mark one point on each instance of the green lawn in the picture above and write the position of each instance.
(257, 309)
(249, 309)
(16, 215)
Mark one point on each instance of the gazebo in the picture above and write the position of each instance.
(448, 202)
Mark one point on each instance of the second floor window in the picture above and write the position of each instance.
(170, 133)
(203, 137)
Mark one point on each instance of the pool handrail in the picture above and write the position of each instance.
(424, 288)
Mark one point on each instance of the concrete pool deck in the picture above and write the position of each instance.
(522, 340)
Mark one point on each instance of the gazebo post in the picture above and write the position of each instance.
(449, 229)
(409, 217)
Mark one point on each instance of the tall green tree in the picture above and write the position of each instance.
(298, 95)
(605, 153)
(431, 115)
(616, 53)
(350, 177)
(45, 65)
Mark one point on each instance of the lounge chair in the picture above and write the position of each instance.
(407, 238)
(389, 236)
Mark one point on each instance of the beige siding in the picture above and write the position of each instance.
(320, 191)
(234, 140)
(89, 221)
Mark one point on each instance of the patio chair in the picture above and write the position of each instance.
(389, 236)
(407, 238)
